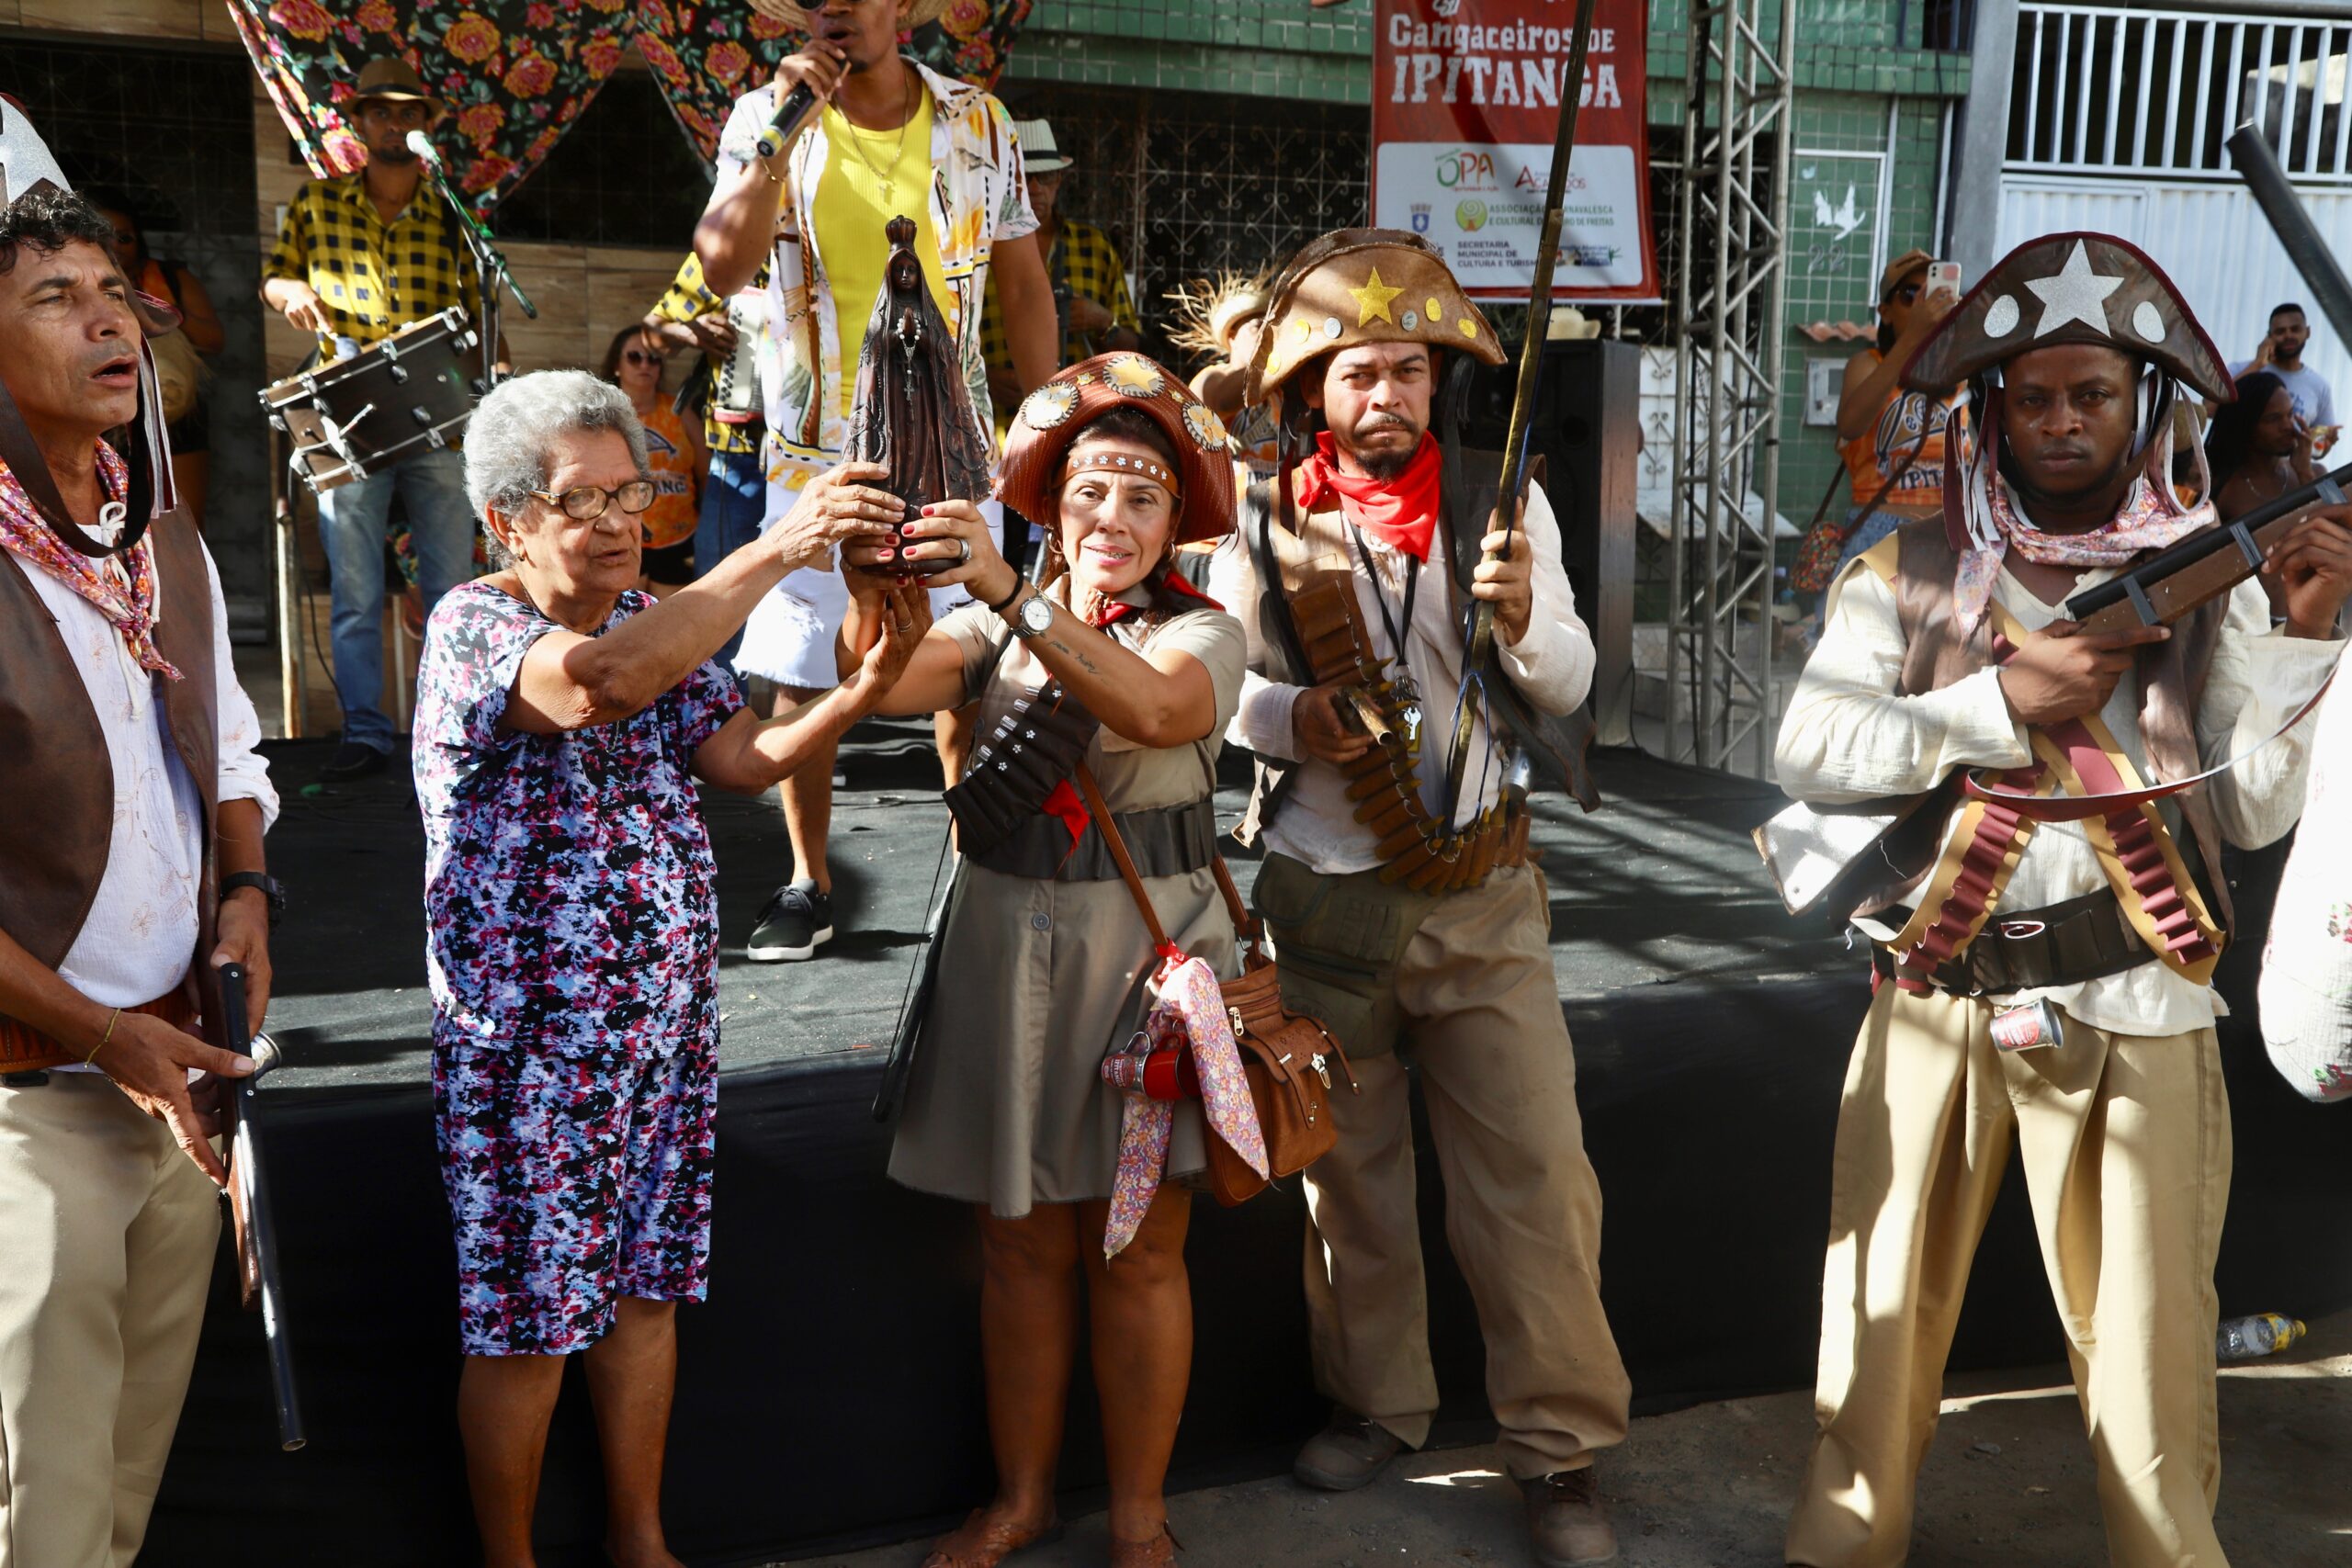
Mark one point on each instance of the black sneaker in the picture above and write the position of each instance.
(796, 922)
(353, 761)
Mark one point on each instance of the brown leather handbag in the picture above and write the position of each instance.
(1287, 1058)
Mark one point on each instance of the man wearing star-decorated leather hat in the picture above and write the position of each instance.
(1414, 922)
(2046, 981)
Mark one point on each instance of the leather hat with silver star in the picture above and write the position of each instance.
(1358, 286)
(2076, 288)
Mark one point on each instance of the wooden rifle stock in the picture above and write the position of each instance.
(2173, 583)
(249, 1206)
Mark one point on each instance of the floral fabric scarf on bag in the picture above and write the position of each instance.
(1189, 1013)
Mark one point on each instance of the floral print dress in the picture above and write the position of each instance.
(572, 952)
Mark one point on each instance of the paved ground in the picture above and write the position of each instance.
(2009, 1484)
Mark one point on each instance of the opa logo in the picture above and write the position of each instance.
(1470, 216)
(1466, 168)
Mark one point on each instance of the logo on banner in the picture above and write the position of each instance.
(1420, 218)
(1470, 216)
(1467, 168)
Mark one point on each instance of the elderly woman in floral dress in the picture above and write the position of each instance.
(562, 718)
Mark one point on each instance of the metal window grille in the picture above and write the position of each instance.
(2154, 92)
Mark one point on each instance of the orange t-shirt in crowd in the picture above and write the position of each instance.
(676, 485)
(1873, 457)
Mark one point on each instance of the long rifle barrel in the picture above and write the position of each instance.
(1531, 362)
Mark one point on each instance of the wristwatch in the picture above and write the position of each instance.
(271, 892)
(1036, 618)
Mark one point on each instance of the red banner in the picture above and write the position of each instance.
(1465, 102)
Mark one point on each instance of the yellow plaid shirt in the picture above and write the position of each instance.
(1091, 266)
(372, 277)
(684, 299)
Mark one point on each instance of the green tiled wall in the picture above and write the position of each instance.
(1852, 58)
(1286, 48)
(1829, 283)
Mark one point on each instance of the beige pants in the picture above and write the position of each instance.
(1477, 1004)
(2125, 1141)
(107, 1238)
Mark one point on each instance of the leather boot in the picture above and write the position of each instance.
(1347, 1453)
(1566, 1523)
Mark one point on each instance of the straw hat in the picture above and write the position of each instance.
(392, 80)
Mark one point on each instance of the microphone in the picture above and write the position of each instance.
(421, 145)
(790, 115)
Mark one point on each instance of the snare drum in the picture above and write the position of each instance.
(409, 393)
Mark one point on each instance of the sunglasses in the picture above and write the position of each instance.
(638, 356)
(586, 504)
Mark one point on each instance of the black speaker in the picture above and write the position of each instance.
(1587, 428)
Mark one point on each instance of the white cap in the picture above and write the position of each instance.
(1039, 153)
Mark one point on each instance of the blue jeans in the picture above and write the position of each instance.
(432, 487)
(734, 504)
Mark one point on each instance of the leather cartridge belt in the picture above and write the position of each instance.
(1167, 840)
(25, 1049)
(2082, 938)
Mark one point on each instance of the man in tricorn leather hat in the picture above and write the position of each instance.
(1417, 925)
(130, 866)
(2046, 983)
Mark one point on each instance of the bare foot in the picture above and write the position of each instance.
(991, 1535)
(653, 1554)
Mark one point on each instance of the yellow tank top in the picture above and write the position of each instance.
(1872, 458)
(849, 213)
(671, 517)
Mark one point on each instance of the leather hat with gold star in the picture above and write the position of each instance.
(1052, 418)
(1359, 285)
(2075, 287)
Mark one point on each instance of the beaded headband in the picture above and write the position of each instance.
(1157, 472)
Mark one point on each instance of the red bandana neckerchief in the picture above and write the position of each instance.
(1400, 512)
(127, 602)
(1064, 801)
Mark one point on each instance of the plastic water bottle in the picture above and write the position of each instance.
(2264, 1334)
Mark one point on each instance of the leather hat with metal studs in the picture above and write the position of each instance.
(1052, 418)
(2075, 288)
(1359, 286)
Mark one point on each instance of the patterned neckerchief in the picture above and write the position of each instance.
(128, 600)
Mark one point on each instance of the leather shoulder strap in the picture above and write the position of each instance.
(1115, 841)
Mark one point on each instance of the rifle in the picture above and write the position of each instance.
(249, 1208)
(1481, 639)
(1853, 857)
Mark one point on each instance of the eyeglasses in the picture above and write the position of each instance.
(638, 356)
(587, 502)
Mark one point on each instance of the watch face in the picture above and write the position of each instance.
(1037, 615)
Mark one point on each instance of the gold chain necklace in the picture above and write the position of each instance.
(890, 183)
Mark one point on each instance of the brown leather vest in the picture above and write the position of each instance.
(52, 855)
(2171, 675)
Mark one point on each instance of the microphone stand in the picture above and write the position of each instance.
(490, 269)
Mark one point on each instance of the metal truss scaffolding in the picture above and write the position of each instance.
(1733, 213)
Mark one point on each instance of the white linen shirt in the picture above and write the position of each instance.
(1552, 667)
(135, 943)
(1847, 737)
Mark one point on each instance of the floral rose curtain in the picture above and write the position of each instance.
(516, 72)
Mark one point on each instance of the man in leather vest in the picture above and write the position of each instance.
(130, 866)
(1418, 928)
(2046, 983)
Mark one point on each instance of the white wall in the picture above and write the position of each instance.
(2211, 239)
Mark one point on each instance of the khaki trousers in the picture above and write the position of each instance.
(1475, 999)
(2125, 1141)
(107, 1238)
